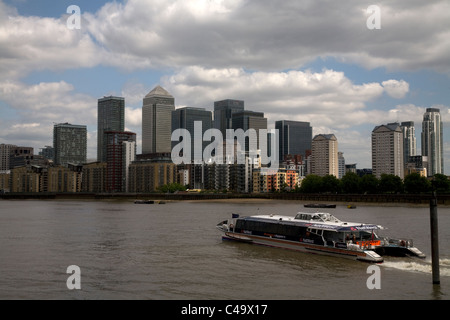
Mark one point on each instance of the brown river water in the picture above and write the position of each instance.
(173, 251)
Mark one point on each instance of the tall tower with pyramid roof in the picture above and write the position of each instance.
(157, 110)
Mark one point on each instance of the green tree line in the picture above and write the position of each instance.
(171, 188)
(351, 183)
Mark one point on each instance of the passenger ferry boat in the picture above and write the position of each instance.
(318, 232)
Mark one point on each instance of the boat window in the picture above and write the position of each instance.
(269, 227)
(303, 216)
(316, 231)
(368, 235)
(333, 236)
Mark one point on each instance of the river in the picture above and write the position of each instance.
(173, 251)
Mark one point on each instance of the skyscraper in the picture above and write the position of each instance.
(324, 155)
(387, 150)
(409, 140)
(47, 152)
(69, 143)
(432, 141)
(223, 113)
(128, 156)
(185, 118)
(120, 151)
(5, 153)
(111, 117)
(341, 164)
(21, 156)
(246, 120)
(294, 137)
(157, 109)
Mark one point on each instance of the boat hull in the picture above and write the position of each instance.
(366, 255)
(396, 251)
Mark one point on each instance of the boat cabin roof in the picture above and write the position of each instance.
(317, 216)
(317, 220)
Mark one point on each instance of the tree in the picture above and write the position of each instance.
(330, 184)
(390, 183)
(311, 184)
(171, 188)
(369, 184)
(415, 183)
(285, 187)
(350, 183)
(441, 183)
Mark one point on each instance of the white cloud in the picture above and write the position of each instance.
(27, 134)
(134, 92)
(407, 112)
(396, 89)
(255, 35)
(325, 98)
(269, 35)
(35, 43)
(48, 101)
(133, 118)
(36, 108)
(25, 126)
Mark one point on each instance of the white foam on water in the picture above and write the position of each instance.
(444, 262)
(419, 266)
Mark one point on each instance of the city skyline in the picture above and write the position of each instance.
(160, 109)
(344, 82)
(185, 117)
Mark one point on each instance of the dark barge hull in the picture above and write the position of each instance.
(319, 205)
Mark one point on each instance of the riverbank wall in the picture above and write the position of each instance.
(313, 198)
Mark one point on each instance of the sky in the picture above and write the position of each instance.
(336, 64)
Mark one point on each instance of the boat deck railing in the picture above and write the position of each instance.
(405, 243)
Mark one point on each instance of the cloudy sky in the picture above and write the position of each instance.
(313, 60)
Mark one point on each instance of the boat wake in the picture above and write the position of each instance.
(422, 266)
